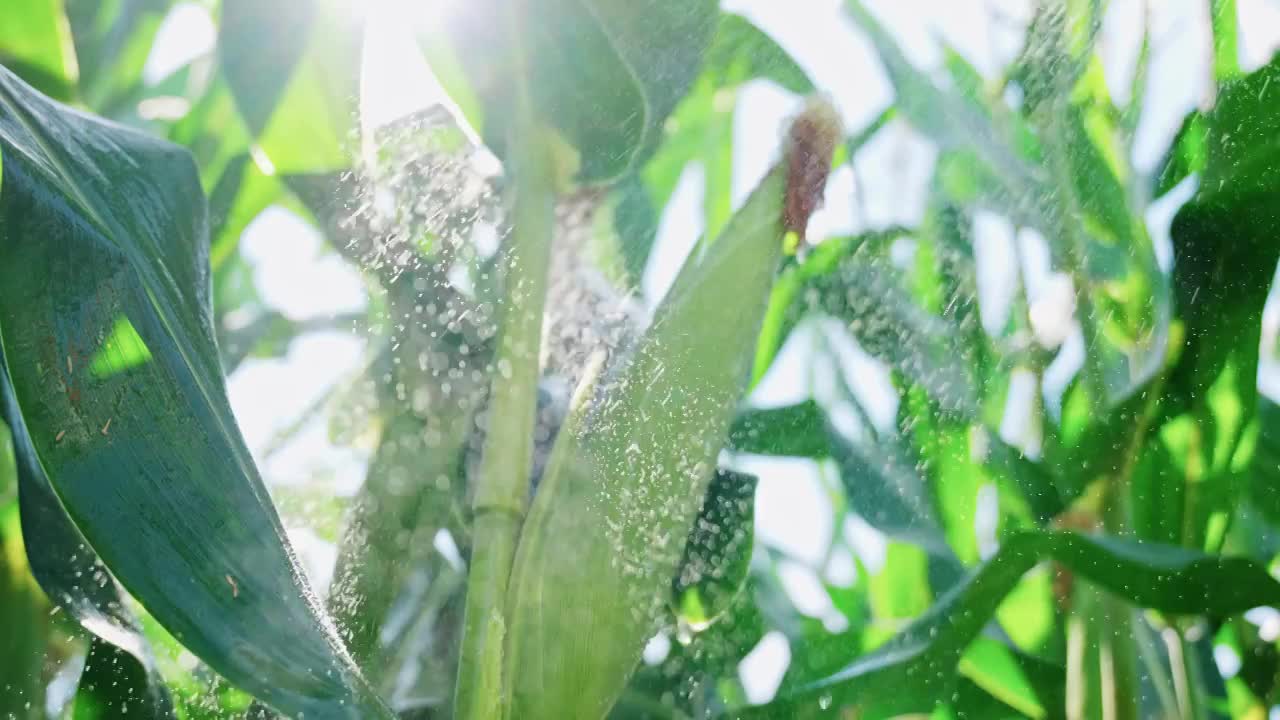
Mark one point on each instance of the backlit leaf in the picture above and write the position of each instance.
(294, 68)
(604, 73)
(35, 42)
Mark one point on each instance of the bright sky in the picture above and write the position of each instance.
(297, 276)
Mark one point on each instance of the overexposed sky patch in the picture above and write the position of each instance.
(185, 34)
(293, 270)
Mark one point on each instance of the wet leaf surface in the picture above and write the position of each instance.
(114, 375)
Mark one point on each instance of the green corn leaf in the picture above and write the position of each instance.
(411, 489)
(605, 74)
(1163, 477)
(628, 473)
(964, 75)
(1224, 254)
(1075, 199)
(1033, 481)
(1264, 481)
(1225, 25)
(700, 129)
(884, 486)
(879, 475)
(112, 43)
(819, 653)
(948, 118)
(791, 430)
(634, 226)
(238, 195)
(969, 699)
(215, 133)
(1030, 686)
(1100, 669)
(701, 126)
(417, 484)
(1221, 309)
(627, 482)
(891, 326)
(788, 302)
(241, 192)
(423, 639)
(698, 670)
(294, 69)
(881, 479)
(1058, 54)
(1085, 444)
(1186, 155)
(75, 580)
(848, 279)
(114, 684)
(107, 337)
(953, 472)
(740, 52)
(914, 670)
(1240, 155)
(1125, 306)
(1132, 114)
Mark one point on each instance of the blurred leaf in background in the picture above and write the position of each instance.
(35, 40)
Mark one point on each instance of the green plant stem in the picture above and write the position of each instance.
(1118, 660)
(502, 488)
(1123, 666)
(1121, 622)
(1186, 676)
(1117, 521)
(1154, 666)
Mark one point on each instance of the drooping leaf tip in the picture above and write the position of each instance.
(811, 144)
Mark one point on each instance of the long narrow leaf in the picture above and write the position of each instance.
(71, 574)
(944, 116)
(912, 671)
(105, 325)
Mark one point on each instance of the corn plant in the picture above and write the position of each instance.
(557, 518)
